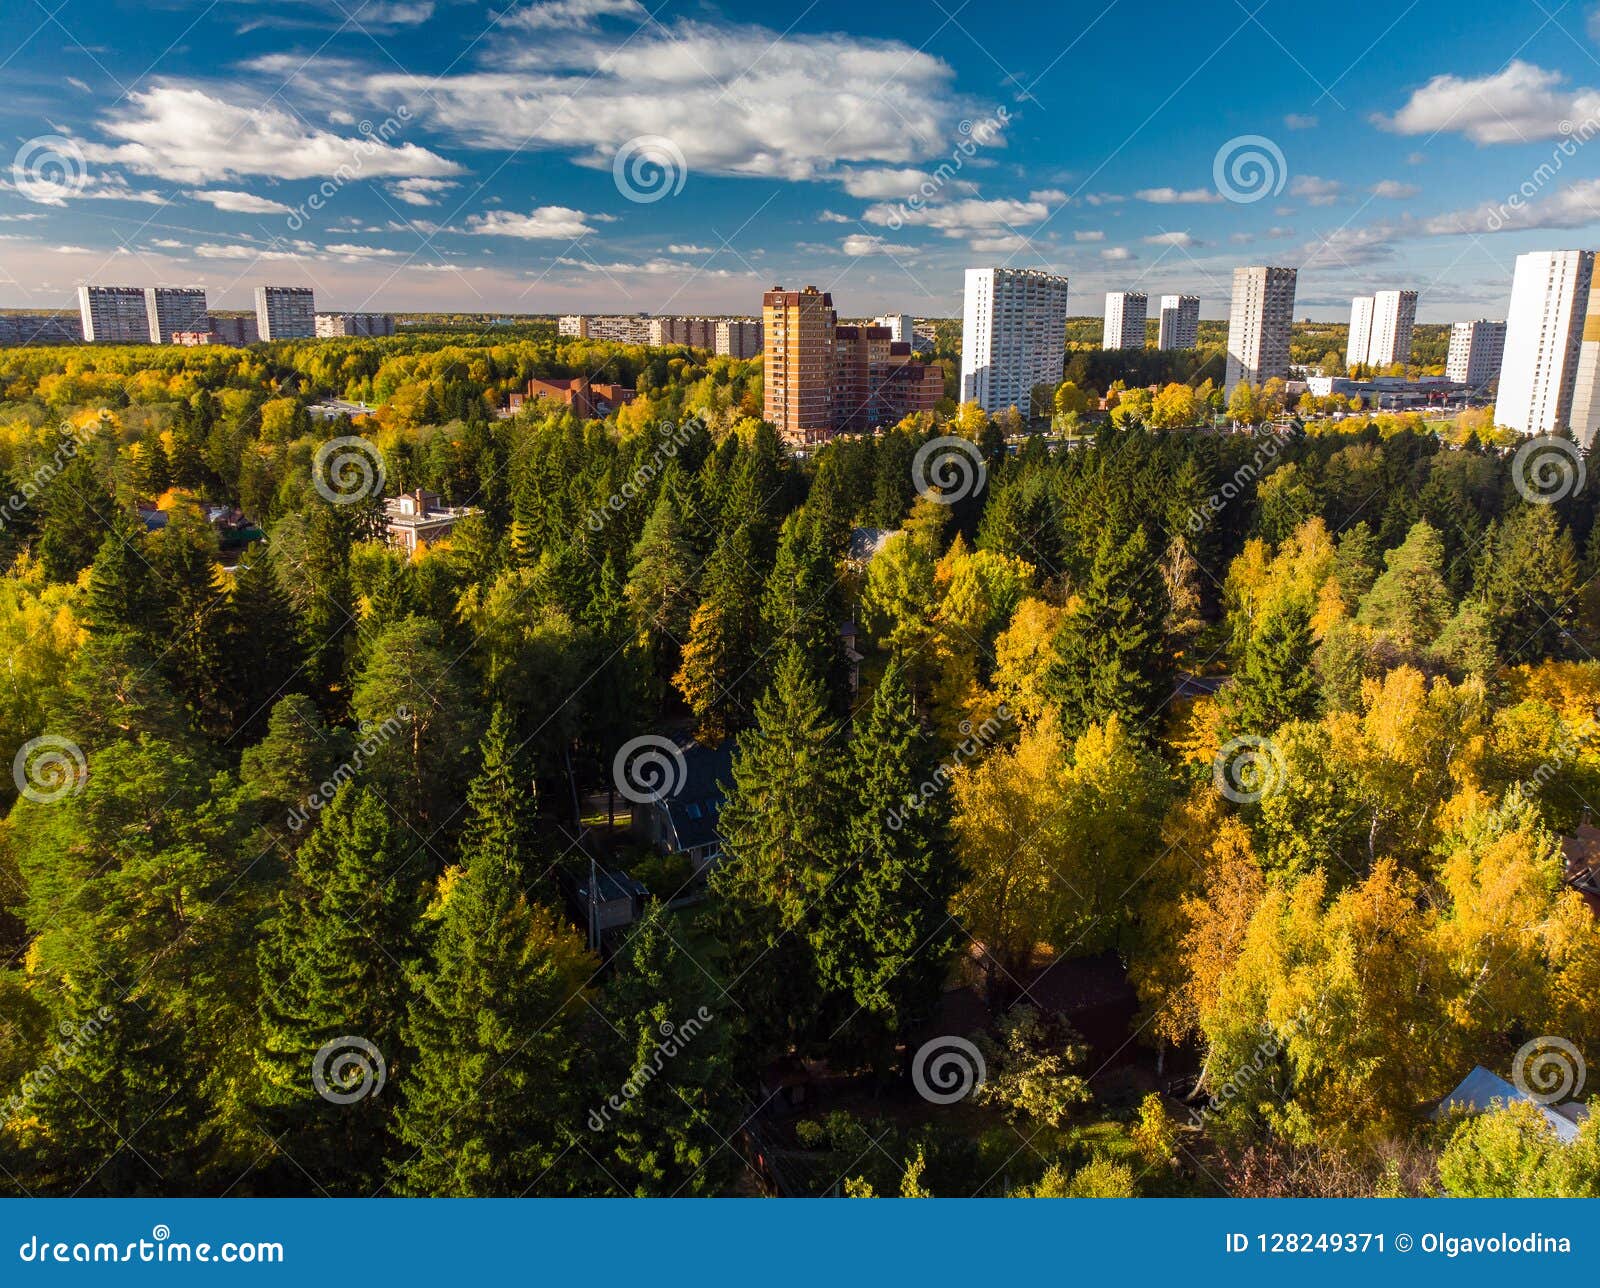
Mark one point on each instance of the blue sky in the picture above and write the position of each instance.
(602, 155)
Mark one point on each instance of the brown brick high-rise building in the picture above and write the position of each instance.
(822, 379)
(797, 330)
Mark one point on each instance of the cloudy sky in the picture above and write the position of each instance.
(603, 155)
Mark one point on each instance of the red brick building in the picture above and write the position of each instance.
(590, 400)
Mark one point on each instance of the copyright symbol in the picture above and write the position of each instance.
(1402, 1243)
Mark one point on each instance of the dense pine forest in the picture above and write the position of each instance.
(1283, 725)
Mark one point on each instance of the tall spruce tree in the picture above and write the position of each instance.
(1111, 656)
(1275, 682)
(666, 1129)
(889, 935)
(334, 965)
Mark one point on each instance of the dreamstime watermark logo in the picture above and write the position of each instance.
(1270, 442)
(948, 469)
(1548, 469)
(70, 441)
(373, 736)
(947, 1069)
(1548, 1070)
(1576, 134)
(374, 139)
(49, 169)
(649, 767)
(1248, 768)
(674, 1037)
(649, 167)
(673, 438)
(49, 768)
(973, 741)
(347, 469)
(348, 1069)
(74, 1039)
(1248, 168)
(974, 135)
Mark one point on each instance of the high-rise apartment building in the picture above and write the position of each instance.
(877, 381)
(337, 325)
(1258, 324)
(40, 328)
(114, 314)
(738, 339)
(573, 325)
(902, 326)
(285, 313)
(695, 333)
(1013, 335)
(174, 308)
(1125, 314)
(798, 378)
(1179, 326)
(1394, 314)
(1544, 335)
(1586, 387)
(1476, 349)
(1359, 343)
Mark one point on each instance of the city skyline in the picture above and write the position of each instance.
(589, 155)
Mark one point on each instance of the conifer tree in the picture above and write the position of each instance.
(717, 676)
(666, 1128)
(889, 935)
(120, 1113)
(492, 1102)
(334, 967)
(1111, 656)
(1276, 682)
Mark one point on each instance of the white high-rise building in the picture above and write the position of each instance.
(1125, 314)
(1013, 335)
(174, 308)
(902, 326)
(1476, 349)
(1179, 327)
(1360, 342)
(114, 314)
(738, 338)
(1586, 388)
(1394, 314)
(1258, 324)
(285, 312)
(1544, 334)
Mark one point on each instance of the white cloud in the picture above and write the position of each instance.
(167, 243)
(1351, 247)
(421, 192)
(72, 250)
(1297, 121)
(397, 14)
(691, 250)
(1089, 235)
(1575, 206)
(967, 218)
(572, 15)
(1117, 254)
(1104, 198)
(80, 84)
(241, 203)
(834, 217)
(734, 99)
(1315, 191)
(1517, 103)
(210, 250)
(1182, 240)
(1393, 188)
(545, 222)
(193, 137)
(879, 184)
(1006, 245)
(1179, 197)
(361, 252)
(858, 244)
(649, 268)
(1050, 196)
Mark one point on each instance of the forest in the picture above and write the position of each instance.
(1285, 727)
